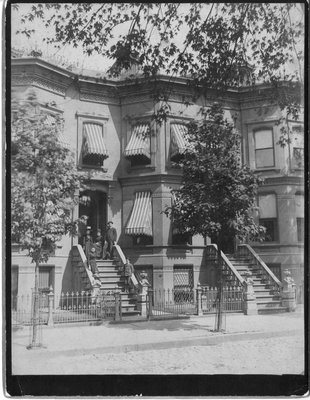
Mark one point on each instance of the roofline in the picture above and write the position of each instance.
(125, 82)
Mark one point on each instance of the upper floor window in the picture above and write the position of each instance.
(268, 216)
(264, 148)
(138, 149)
(300, 211)
(178, 142)
(94, 151)
(297, 147)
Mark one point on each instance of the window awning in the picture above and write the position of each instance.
(139, 143)
(93, 144)
(140, 221)
(178, 139)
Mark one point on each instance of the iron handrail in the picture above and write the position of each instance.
(229, 264)
(261, 263)
(83, 258)
(122, 258)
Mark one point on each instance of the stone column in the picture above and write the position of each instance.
(288, 292)
(50, 321)
(199, 305)
(250, 306)
(142, 299)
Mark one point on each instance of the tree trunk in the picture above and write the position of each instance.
(219, 311)
(35, 320)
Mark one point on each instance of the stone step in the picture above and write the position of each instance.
(267, 296)
(111, 278)
(271, 310)
(265, 303)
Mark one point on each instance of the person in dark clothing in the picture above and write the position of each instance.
(111, 236)
(92, 263)
(99, 243)
(87, 242)
(128, 271)
(82, 226)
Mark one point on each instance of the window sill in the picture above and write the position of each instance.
(267, 169)
(90, 168)
(141, 167)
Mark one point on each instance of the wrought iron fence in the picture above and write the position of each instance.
(208, 299)
(64, 308)
(168, 302)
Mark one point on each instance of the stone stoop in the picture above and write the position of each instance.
(112, 279)
(266, 300)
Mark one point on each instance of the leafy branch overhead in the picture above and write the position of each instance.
(44, 180)
(218, 40)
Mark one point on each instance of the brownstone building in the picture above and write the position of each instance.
(108, 125)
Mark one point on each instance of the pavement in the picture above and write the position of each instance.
(152, 335)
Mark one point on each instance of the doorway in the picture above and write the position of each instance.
(93, 204)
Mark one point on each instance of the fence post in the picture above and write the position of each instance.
(149, 303)
(118, 305)
(50, 321)
(250, 305)
(199, 305)
(288, 292)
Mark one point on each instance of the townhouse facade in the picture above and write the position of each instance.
(109, 127)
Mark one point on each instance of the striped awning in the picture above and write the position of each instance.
(178, 139)
(51, 121)
(93, 144)
(139, 143)
(140, 221)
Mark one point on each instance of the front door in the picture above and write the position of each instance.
(93, 204)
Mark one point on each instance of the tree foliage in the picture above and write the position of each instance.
(265, 35)
(44, 180)
(218, 194)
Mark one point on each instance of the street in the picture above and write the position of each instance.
(277, 355)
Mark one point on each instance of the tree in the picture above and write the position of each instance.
(217, 192)
(215, 45)
(44, 185)
(217, 196)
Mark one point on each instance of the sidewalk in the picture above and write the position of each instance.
(135, 336)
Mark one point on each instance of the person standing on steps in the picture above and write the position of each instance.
(99, 243)
(87, 242)
(111, 237)
(128, 271)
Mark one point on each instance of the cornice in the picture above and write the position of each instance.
(39, 81)
(97, 92)
(283, 180)
(41, 63)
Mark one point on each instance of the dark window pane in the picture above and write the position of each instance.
(300, 229)
(271, 234)
(142, 240)
(264, 158)
(181, 239)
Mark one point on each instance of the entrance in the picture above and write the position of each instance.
(93, 204)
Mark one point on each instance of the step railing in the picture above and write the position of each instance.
(230, 273)
(244, 250)
(84, 279)
(135, 281)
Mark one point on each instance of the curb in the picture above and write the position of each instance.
(209, 340)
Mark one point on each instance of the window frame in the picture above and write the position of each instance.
(85, 118)
(255, 132)
(268, 219)
(136, 162)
